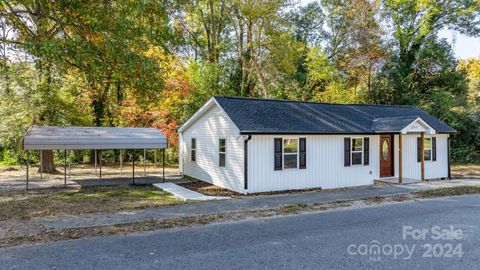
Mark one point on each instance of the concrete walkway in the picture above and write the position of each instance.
(186, 194)
(441, 184)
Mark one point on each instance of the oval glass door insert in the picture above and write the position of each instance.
(385, 149)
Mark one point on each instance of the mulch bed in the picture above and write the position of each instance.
(212, 190)
(208, 189)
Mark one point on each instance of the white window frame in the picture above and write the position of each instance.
(224, 153)
(425, 149)
(193, 149)
(357, 151)
(284, 154)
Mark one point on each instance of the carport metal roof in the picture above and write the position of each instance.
(77, 138)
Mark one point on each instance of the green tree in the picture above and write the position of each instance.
(415, 25)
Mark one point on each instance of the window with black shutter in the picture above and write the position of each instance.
(419, 149)
(429, 149)
(357, 151)
(303, 153)
(278, 153)
(434, 149)
(346, 154)
(366, 151)
(290, 153)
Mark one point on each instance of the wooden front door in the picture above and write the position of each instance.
(386, 156)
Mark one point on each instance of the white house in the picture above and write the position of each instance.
(260, 145)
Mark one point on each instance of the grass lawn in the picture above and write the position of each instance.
(460, 170)
(59, 202)
(450, 191)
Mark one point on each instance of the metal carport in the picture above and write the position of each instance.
(94, 138)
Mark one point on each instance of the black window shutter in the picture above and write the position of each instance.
(434, 149)
(419, 149)
(278, 153)
(366, 151)
(346, 155)
(303, 153)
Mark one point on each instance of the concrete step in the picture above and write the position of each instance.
(186, 194)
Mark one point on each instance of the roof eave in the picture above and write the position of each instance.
(246, 132)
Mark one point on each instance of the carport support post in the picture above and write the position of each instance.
(41, 164)
(95, 160)
(28, 164)
(144, 162)
(163, 163)
(69, 166)
(65, 169)
(100, 156)
(133, 166)
(121, 161)
(155, 157)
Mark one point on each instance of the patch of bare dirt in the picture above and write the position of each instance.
(208, 189)
(465, 170)
(212, 190)
(8, 169)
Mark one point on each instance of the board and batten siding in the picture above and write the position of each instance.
(213, 125)
(411, 166)
(325, 164)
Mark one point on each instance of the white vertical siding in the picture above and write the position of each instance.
(325, 165)
(181, 152)
(433, 169)
(207, 130)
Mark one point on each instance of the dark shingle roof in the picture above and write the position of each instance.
(283, 116)
(386, 124)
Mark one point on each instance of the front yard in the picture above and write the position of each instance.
(24, 205)
(58, 202)
(465, 170)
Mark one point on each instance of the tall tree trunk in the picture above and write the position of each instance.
(240, 53)
(48, 164)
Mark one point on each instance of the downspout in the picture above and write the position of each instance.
(448, 159)
(245, 162)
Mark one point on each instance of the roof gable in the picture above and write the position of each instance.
(281, 116)
(402, 124)
(204, 109)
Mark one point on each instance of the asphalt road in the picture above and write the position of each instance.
(340, 239)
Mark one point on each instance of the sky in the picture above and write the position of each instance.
(464, 46)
